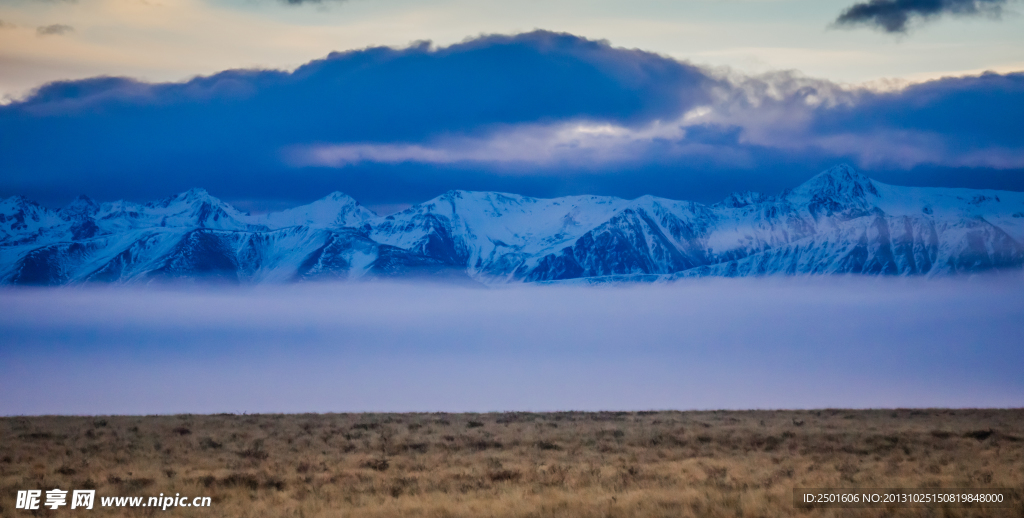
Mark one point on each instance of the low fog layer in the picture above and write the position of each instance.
(703, 344)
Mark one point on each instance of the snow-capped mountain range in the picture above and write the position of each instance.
(838, 222)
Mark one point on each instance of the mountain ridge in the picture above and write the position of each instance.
(838, 222)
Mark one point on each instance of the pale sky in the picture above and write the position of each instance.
(173, 40)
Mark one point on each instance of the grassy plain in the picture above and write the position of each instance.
(568, 464)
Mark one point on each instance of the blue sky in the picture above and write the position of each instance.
(268, 104)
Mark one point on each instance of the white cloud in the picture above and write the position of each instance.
(573, 143)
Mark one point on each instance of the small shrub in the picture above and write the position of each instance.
(504, 475)
(207, 443)
(274, 483)
(377, 464)
(715, 475)
(241, 480)
(985, 477)
(138, 483)
(484, 444)
(980, 435)
(255, 451)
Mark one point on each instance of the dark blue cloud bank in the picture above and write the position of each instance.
(541, 114)
(894, 16)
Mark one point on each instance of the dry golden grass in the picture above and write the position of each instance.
(571, 464)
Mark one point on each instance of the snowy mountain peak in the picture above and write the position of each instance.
(338, 195)
(462, 202)
(22, 216)
(17, 202)
(81, 207)
(838, 190)
(337, 198)
(840, 181)
(334, 210)
(738, 200)
(194, 207)
(191, 197)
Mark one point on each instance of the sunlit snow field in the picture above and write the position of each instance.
(700, 344)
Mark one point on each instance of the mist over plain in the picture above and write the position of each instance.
(377, 346)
